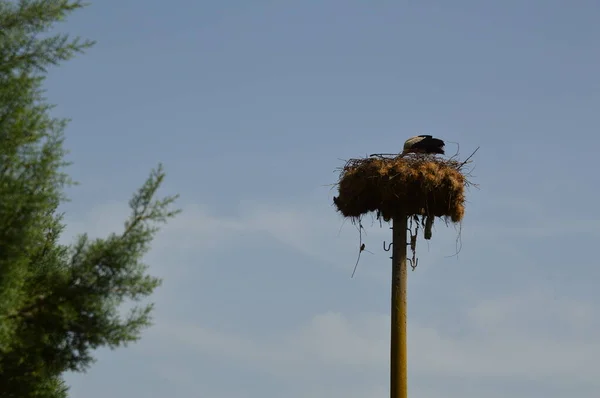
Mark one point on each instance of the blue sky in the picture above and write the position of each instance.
(251, 105)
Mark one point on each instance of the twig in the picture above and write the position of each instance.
(458, 242)
(381, 155)
(361, 247)
(457, 150)
(467, 159)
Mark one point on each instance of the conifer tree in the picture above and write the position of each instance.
(57, 303)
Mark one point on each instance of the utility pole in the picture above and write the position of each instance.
(399, 188)
(398, 352)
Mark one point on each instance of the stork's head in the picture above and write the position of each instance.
(409, 145)
(407, 148)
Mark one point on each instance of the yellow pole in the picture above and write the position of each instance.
(398, 359)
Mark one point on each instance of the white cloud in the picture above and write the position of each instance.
(195, 228)
(537, 307)
(533, 337)
(98, 222)
(199, 230)
(319, 233)
(329, 340)
(538, 229)
(500, 341)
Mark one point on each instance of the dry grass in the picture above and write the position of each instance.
(418, 185)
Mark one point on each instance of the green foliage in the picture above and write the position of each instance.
(57, 303)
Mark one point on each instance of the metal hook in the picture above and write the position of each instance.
(388, 247)
(413, 265)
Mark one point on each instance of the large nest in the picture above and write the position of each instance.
(416, 185)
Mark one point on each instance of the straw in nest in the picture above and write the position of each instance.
(419, 185)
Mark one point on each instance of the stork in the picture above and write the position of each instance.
(423, 144)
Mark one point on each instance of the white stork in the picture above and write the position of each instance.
(423, 144)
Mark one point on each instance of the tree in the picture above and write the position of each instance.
(57, 303)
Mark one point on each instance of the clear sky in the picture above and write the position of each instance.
(252, 104)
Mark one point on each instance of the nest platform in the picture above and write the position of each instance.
(416, 185)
